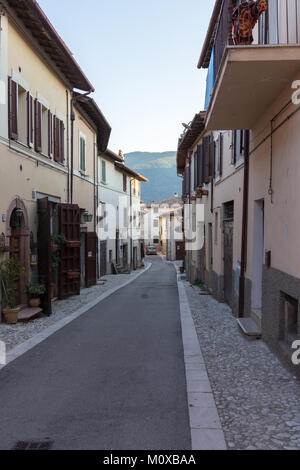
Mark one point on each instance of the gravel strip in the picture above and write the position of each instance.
(13, 335)
(258, 399)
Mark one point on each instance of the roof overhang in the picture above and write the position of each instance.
(210, 36)
(36, 22)
(125, 169)
(112, 156)
(249, 80)
(189, 138)
(90, 107)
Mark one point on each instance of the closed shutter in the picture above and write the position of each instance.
(29, 120)
(212, 156)
(12, 109)
(206, 141)
(233, 148)
(38, 125)
(56, 139)
(221, 143)
(69, 269)
(91, 259)
(61, 142)
(44, 252)
(195, 171)
(50, 134)
(200, 165)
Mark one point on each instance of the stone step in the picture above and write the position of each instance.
(28, 313)
(249, 327)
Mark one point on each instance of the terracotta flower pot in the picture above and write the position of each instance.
(35, 302)
(11, 315)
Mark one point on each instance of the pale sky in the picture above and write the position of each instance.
(141, 56)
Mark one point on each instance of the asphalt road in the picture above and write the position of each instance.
(113, 379)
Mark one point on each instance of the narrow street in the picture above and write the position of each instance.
(112, 379)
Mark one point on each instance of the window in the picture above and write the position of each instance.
(82, 154)
(58, 140)
(103, 171)
(219, 157)
(291, 320)
(124, 183)
(238, 147)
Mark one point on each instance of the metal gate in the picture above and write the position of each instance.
(69, 270)
(228, 260)
(103, 258)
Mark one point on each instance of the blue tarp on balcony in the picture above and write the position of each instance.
(210, 80)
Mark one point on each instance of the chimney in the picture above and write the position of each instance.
(121, 155)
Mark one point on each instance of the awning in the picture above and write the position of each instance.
(249, 80)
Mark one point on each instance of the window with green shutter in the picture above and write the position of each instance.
(82, 155)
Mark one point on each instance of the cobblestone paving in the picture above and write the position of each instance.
(257, 398)
(13, 335)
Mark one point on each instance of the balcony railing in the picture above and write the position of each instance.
(279, 25)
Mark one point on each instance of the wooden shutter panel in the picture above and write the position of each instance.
(206, 141)
(29, 120)
(200, 165)
(12, 109)
(195, 171)
(56, 138)
(221, 141)
(50, 134)
(62, 142)
(38, 125)
(212, 155)
(233, 148)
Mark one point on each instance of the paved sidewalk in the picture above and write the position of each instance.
(14, 335)
(258, 399)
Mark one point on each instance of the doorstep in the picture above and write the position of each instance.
(249, 327)
(28, 313)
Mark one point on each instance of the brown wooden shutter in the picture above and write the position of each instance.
(56, 139)
(212, 154)
(38, 125)
(206, 141)
(29, 120)
(124, 183)
(221, 140)
(233, 148)
(61, 142)
(50, 134)
(69, 269)
(91, 259)
(195, 171)
(12, 109)
(44, 252)
(200, 165)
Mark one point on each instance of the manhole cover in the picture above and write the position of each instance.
(23, 445)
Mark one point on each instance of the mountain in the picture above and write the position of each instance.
(160, 169)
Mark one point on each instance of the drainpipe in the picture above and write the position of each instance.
(244, 227)
(131, 227)
(72, 150)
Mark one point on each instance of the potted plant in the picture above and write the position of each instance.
(10, 270)
(58, 241)
(35, 292)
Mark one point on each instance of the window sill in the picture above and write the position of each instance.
(239, 163)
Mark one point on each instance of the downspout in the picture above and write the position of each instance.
(244, 227)
(131, 230)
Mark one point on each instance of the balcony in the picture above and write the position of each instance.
(249, 80)
(243, 80)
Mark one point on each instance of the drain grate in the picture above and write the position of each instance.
(23, 445)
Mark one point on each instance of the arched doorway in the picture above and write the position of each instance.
(17, 231)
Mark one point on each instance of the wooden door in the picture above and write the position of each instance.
(91, 244)
(69, 269)
(228, 260)
(180, 251)
(103, 258)
(44, 252)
